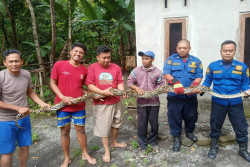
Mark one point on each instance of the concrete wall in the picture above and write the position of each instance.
(209, 23)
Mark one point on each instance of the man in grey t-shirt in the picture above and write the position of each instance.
(15, 85)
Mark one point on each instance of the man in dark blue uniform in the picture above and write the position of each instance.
(229, 77)
(182, 70)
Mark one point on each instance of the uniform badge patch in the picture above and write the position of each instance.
(247, 72)
(192, 65)
(217, 72)
(169, 62)
(201, 66)
(192, 70)
(237, 72)
(208, 71)
(176, 64)
(238, 68)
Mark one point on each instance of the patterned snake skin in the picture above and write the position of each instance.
(133, 93)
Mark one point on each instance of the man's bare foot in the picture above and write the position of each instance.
(66, 163)
(106, 157)
(119, 145)
(89, 158)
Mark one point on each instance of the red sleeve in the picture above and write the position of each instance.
(85, 76)
(90, 79)
(54, 72)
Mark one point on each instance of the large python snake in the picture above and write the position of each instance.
(133, 93)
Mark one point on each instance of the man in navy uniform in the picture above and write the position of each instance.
(182, 70)
(229, 77)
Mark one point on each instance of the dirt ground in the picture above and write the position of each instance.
(47, 152)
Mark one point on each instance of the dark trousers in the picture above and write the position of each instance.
(182, 109)
(236, 117)
(144, 115)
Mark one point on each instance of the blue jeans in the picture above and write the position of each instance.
(236, 117)
(144, 115)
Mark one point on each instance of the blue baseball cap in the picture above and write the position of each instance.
(147, 53)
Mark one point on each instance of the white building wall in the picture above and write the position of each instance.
(209, 23)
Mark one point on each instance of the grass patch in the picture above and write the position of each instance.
(95, 147)
(130, 118)
(77, 151)
(100, 162)
(135, 145)
(35, 137)
(127, 160)
(129, 101)
(133, 164)
(149, 149)
(145, 160)
(82, 162)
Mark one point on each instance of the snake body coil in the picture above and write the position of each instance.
(133, 93)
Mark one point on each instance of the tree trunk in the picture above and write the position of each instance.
(121, 49)
(13, 25)
(64, 52)
(1, 54)
(38, 51)
(69, 29)
(53, 29)
(129, 49)
(4, 33)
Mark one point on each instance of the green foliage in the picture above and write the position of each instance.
(77, 151)
(145, 160)
(133, 164)
(127, 160)
(149, 149)
(126, 102)
(48, 97)
(82, 162)
(113, 165)
(100, 162)
(125, 112)
(129, 101)
(89, 10)
(130, 118)
(94, 23)
(135, 145)
(95, 147)
(184, 151)
(35, 137)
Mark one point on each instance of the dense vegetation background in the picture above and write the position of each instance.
(43, 30)
(92, 22)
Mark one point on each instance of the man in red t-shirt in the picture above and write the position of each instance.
(102, 76)
(67, 79)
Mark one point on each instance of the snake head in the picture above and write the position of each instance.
(19, 116)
